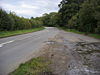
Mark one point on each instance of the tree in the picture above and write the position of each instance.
(50, 19)
(88, 16)
(73, 23)
(10, 21)
(46, 19)
(83, 15)
(68, 8)
(6, 22)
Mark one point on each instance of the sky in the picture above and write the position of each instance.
(30, 8)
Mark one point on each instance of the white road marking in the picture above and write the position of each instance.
(2, 44)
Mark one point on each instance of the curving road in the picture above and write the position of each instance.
(18, 49)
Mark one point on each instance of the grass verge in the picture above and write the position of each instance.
(36, 66)
(18, 32)
(78, 32)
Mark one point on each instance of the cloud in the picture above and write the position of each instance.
(28, 8)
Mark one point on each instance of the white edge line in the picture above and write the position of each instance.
(2, 44)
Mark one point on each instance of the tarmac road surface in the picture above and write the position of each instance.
(18, 49)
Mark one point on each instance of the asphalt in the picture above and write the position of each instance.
(18, 49)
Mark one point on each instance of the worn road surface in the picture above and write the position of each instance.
(73, 54)
(18, 49)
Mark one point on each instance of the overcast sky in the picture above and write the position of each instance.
(28, 8)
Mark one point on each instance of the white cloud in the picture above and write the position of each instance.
(25, 5)
(28, 8)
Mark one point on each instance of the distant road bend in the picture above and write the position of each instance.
(16, 49)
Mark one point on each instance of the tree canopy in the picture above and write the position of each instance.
(82, 15)
(10, 21)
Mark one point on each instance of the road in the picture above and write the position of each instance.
(82, 54)
(18, 49)
(73, 54)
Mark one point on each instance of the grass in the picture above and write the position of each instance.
(95, 35)
(17, 32)
(36, 66)
(78, 32)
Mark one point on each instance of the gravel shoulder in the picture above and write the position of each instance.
(73, 54)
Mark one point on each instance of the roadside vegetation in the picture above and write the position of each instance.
(18, 32)
(79, 32)
(78, 15)
(11, 24)
(36, 66)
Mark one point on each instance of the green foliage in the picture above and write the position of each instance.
(17, 32)
(86, 17)
(50, 19)
(11, 22)
(73, 22)
(82, 15)
(36, 66)
(68, 8)
(89, 17)
(78, 32)
(20, 22)
(36, 22)
(6, 22)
